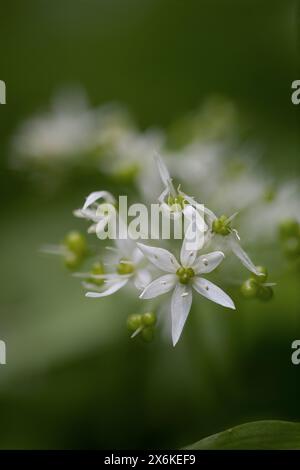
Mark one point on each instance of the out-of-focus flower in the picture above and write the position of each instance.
(63, 133)
(129, 266)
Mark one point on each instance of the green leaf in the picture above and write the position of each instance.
(261, 435)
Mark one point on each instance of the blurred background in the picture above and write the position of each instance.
(73, 378)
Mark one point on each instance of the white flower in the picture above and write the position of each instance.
(99, 214)
(129, 264)
(228, 237)
(182, 278)
(175, 203)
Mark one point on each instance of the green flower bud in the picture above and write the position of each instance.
(147, 334)
(263, 274)
(149, 319)
(265, 293)
(249, 288)
(291, 247)
(72, 260)
(125, 267)
(134, 322)
(289, 228)
(76, 242)
(97, 269)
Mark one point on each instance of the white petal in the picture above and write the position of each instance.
(188, 198)
(164, 173)
(194, 238)
(180, 308)
(142, 278)
(86, 214)
(111, 289)
(207, 263)
(125, 247)
(210, 215)
(54, 250)
(187, 257)
(125, 244)
(212, 292)
(159, 286)
(194, 214)
(160, 257)
(93, 197)
(242, 255)
(92, 228)
(137, 256)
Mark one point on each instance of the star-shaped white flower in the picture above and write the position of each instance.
(183, 277)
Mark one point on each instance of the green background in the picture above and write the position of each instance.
(73, 378)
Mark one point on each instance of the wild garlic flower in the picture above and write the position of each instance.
(129, 265)
(175, 203)
(227, 237)
(182, 277)
(99, 213)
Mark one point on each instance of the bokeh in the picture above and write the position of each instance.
(74, 378)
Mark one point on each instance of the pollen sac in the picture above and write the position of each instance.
(97, 269)
(185, 275)
(222, 226)
(125, 267)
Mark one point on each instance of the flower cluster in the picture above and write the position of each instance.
(207, 160)
(152, 271)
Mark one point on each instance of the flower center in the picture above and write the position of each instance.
(176, 203)
(185, 275)
(125, 267)
(222, 225)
